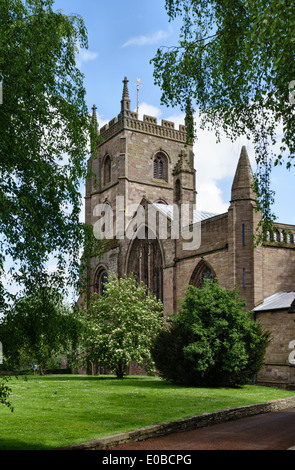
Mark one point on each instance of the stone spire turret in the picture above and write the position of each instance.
(94, 117)
(125, 102)
(242, 187)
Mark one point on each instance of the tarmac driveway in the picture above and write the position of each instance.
(269, 431)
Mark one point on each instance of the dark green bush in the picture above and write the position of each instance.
(212, 340)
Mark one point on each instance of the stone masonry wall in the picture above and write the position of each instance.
(277, 370)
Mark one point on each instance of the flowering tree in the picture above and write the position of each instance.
(121, 324)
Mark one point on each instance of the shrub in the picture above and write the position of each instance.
(212, 340)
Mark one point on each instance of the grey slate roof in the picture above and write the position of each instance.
(278, 301)
(198, 215)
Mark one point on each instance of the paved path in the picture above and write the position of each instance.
(270, 431)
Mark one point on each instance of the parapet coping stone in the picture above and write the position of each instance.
(186, 424)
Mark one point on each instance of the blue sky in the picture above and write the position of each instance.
(123, 38)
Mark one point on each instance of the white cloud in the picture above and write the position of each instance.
(149, 110)
(101, 122)
(209, 198)
(147, 40)
(85, 55)
(214, 162)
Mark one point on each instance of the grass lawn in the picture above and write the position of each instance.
(61, 410)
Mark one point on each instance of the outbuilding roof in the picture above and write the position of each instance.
(278, 301)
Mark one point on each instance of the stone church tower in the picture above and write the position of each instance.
(137, 162)
(141, 199)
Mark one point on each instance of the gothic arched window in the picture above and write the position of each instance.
(146, 263)
(107, 170)
(160, 169)
(202, 272)
(100, 280)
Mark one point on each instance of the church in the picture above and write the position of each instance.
(141, 200)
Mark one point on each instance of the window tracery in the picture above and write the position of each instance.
(201, 273)
(146, 263)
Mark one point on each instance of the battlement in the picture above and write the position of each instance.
(128, 119)
(149, 125)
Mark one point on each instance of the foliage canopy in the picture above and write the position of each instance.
(44, 141)
(37, 327)
(235, 64)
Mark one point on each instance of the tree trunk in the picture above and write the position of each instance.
(120, 371)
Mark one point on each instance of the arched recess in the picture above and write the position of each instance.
(100, 279)
(145, 261)
(107, 170)
(177, 191)
(202, 271)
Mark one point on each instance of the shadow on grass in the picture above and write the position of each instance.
(139, 381)
(127, 381)
(11, 444)
(83, 377)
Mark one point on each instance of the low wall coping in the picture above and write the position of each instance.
(186, 424)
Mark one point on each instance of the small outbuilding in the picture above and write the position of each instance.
(277, 315)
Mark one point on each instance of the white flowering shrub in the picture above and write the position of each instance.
(121, 324)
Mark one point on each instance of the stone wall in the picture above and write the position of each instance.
(277, 370)
(278, 269)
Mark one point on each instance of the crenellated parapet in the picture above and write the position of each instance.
(149, 125)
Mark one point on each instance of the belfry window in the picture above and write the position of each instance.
(160, 169)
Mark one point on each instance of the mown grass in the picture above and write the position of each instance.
(60, 410)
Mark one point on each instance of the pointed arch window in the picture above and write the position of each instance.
(201, 273)
(146, 263)
(101, 280)
(107, 170)
(160, 168)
